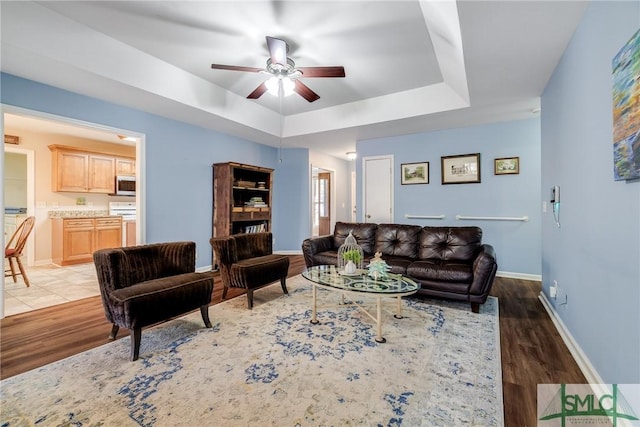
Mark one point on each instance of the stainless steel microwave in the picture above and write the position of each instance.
(125, 185)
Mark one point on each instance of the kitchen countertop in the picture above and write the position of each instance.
(84, 213)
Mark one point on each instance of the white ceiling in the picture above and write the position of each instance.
(411, 66)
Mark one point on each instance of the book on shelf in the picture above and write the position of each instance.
(257, 228)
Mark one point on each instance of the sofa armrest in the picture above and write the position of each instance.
(484, 271)
(315, 245)
(111, 268)
(225, 251)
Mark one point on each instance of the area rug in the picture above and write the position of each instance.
(270, 366)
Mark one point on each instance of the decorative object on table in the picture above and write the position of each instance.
(414, 173)
(378, 268)
(461, 169)
(350, 256)
(626, 128)
(506, 166)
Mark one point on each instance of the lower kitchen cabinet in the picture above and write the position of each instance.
(74, 240)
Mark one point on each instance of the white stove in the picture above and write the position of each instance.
(127, 210)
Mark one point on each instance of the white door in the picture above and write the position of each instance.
(377, 183)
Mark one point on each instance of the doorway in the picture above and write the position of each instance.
(321, 201)
(40, 129)
(377, 184)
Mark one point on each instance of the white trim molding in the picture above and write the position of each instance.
(288, 252)
(523, 276)
(580, 357)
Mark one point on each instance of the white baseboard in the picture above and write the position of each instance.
(523, 276)
(288, 252)
(581, 359)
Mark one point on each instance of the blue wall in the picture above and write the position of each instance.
(178, 159)
(595, 254)
(292, 201)
(517, 243)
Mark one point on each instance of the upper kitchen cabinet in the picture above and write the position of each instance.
(80, 171)
(125, 166)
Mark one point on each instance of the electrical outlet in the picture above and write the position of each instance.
(553, 289)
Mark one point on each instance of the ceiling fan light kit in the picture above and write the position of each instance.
(283, 72)
(273, 85)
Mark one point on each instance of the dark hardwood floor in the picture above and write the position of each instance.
(532, 351)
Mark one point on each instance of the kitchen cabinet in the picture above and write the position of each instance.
(78, 171)
(74, 240)
(125, 166)
(241, 198)
(130, 233)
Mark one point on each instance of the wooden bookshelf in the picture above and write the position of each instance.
(241, 198)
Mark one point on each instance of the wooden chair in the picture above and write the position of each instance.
(15, 245)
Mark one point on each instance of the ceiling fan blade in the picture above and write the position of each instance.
(258, 92)
(277, 50)
(236, 68)
(304, 91)
(337, 71)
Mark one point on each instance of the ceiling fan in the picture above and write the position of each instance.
(284, 73)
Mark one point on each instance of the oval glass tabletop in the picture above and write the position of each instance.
(329, 275)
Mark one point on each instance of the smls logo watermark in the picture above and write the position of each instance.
(616, 405)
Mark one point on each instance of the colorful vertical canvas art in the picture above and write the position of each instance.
(626, 110)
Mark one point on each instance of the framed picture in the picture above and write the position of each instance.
(414, 173)
(461, 169)
(626, 127)
(506, 166)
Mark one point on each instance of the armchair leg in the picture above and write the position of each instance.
(136, 334)
(204, 310)
(475, 307)
(224, 291)
(284, 285)
(250, 298)
(114, 332)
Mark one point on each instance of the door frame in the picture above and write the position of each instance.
(332, 196)
(364, 184)
(31, 191)
(140, 168)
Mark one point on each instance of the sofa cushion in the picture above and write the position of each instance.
(442, 271)
(155, 300)
(398, 240)
(450, 243)
(326, 258)
(258, 271)
(365, 234)
(251, 245)
(398, 264)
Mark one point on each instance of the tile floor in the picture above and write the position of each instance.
(50, 285)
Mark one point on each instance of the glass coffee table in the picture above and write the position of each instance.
(395, 286)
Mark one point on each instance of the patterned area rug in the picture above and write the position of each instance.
(270, 366)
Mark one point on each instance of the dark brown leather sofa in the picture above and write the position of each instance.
(448, 262)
